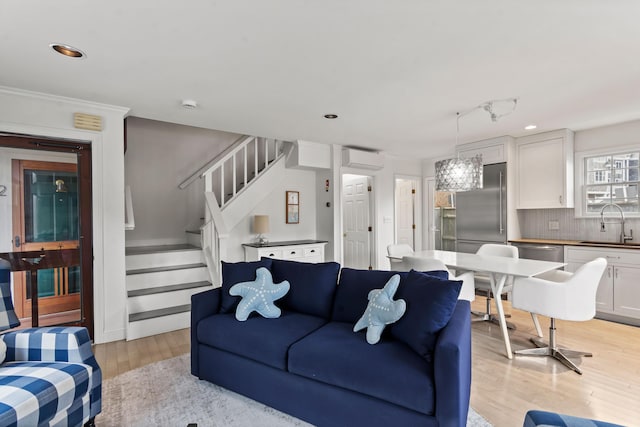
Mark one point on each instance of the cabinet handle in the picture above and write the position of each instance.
(609, 272)
(293, 252)
(612, 257)
(616, 273)
(560, 198)
(313, 251)
(272, 254)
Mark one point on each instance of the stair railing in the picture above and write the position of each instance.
(228, 175)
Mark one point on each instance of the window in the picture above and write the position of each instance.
(611, 178)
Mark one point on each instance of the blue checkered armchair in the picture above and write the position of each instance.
(49, 376)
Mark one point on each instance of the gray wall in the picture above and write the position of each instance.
(534, 223)
(159, 157)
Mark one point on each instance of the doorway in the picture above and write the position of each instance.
(357, 229)
(51, 212)
(406, 211)
(46, 217)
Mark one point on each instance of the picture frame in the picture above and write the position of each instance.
(292, 207)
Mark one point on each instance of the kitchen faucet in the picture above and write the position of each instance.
(623, 236)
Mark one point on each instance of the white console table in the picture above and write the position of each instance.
(294, 250)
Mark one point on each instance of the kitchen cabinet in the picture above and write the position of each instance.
(295, 250)
(493, 150)
(544, 175)
(618, 296)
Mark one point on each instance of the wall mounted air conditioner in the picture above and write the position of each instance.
(362, 159)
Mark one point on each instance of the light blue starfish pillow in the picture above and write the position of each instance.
(381, 310)
(259, 295)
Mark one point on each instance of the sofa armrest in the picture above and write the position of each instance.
(203, 305)
(57, 344)
(452, 368)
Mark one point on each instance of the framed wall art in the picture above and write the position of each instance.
(293, 207)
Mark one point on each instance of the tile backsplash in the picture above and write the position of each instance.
(534, 224)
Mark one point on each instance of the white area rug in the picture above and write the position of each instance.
(165, 394)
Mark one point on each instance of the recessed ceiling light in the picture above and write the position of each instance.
(67, 50)
(330, 116)
(530, 127)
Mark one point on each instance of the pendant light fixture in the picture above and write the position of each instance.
(461, 174)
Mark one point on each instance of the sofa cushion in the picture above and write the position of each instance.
(389, 370)
(259, 295)
(430, 304)
(312, 285)
(237, 272)
(32, 393)
(381, 310)
(263, 340)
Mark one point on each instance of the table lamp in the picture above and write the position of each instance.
(260, 227)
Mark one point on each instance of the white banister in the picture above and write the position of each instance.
(214, 232)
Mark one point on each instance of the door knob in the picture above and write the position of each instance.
(16, 241)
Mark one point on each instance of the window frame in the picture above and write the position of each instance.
(580, 178)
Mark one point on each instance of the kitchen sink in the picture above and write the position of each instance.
(594, 242)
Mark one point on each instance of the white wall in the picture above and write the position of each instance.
(621, 134)
(384, 189)
(45, 115)
(159, 157)
(274, 205)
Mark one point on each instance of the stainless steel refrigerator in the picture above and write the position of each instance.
(481, 215)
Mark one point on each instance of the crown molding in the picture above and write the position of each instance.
(56, 98)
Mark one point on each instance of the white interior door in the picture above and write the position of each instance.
(405, 211)
(356, 221)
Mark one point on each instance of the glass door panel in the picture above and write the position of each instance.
(49, 221)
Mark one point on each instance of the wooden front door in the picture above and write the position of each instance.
(46, 217)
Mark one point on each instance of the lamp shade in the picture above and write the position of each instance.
(459, 174)
(261, 224)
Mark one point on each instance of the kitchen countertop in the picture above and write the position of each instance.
(287, 243)
(613, 245)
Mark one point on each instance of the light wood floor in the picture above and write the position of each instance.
(502, 389)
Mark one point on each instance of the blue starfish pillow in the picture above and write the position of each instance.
(259, 295)
(381, 310)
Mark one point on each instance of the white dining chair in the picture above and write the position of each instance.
(483, 281)
(559, 295)
(398, 250)
(467, 292)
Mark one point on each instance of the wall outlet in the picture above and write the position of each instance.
(554, 225)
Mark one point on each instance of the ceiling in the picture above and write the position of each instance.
(396, 72)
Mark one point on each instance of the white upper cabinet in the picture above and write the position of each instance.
(493, 150)
(544, 174)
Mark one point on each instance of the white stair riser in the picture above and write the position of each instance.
(163, 259)
(162, 300)
(164, 278)
(158, 325)
(194, 239)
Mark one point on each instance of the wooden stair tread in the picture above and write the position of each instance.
(168, 288)
(151, 314)
(165, 268)
(143, 250)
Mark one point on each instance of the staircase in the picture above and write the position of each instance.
(161, 279)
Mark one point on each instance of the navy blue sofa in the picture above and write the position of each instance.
(309, 363)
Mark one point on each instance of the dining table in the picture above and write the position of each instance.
(498, 268)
